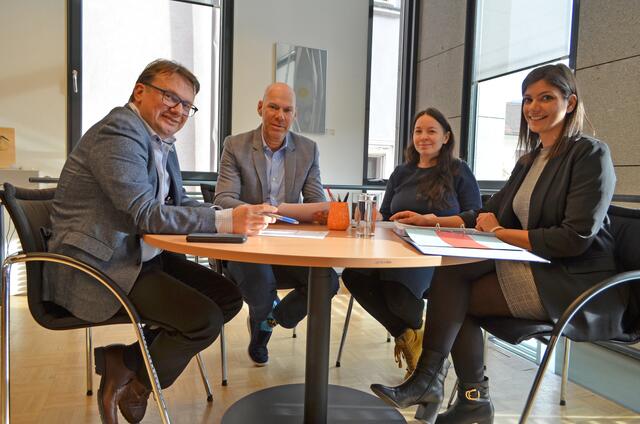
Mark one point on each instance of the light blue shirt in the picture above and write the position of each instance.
(275, 171)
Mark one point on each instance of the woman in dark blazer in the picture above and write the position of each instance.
(554, 204)
(431, 181)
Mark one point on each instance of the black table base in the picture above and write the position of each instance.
(285, 405)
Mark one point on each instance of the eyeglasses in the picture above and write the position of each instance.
(171, 100)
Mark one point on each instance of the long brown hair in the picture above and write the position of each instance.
(561, 77)
(435, 188)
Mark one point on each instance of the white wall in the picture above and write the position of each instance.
(33, 81)
(338, 26)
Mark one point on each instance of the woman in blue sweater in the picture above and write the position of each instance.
(431, 181)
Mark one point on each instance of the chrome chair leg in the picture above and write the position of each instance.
(485, 336)
(344, 330)
(89, 359)
(542, 368)
(155, 383)
(388, 337)
(205, 380)
(223, 356)
(565, 372)
(294, 335)
(127, 306)
(452, 396)
(4, 336)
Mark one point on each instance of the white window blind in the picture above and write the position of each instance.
(516, 34)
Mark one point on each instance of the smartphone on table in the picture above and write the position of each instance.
(216, 238)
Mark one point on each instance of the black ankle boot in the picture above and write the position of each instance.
(425, 387)
(472, 405)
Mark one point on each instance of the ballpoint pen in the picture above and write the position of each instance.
(333, 199)
(281, 218)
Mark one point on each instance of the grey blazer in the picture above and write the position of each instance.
(243, 175)
(568, 225)
(105, 200)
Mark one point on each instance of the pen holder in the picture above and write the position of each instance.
(338, 218)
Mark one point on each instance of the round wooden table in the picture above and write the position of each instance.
(338, 249)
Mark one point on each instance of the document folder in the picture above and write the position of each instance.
(465, 243)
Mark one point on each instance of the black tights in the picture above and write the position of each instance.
(458, 294)
(389, 302)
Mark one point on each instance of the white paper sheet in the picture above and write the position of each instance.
(294, 234)
(303, 212)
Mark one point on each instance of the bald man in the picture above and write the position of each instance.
(271, 165)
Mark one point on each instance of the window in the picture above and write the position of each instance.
(382, 143)
(111, 58)
(511, 39)
(497, 125)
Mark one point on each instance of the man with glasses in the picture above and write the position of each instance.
(270, 165)
(121, 181)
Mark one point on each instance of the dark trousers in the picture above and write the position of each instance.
(458, 295)
(389, 302)
(258, 284)
(189, 303)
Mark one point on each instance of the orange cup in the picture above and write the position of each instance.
(338, 218)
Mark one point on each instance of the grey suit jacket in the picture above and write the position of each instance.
(243, 175)
(105, 200)
(568, 224)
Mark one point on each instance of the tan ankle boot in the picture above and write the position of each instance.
(409, 346)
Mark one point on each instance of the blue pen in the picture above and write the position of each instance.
(281, 218)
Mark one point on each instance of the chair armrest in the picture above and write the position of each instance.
(588, 295)
(81, 266)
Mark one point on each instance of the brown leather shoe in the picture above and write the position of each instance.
(115, 376)
(133, 402)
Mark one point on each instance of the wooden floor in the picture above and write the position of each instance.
(48, 381)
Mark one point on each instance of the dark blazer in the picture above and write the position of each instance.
(105, 200)
(568, 225)
(243, 176)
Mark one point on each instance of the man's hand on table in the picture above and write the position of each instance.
(249, 219)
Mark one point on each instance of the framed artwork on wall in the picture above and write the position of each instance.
(305, 70)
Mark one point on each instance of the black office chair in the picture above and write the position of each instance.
(30, 210)
(625, 225)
